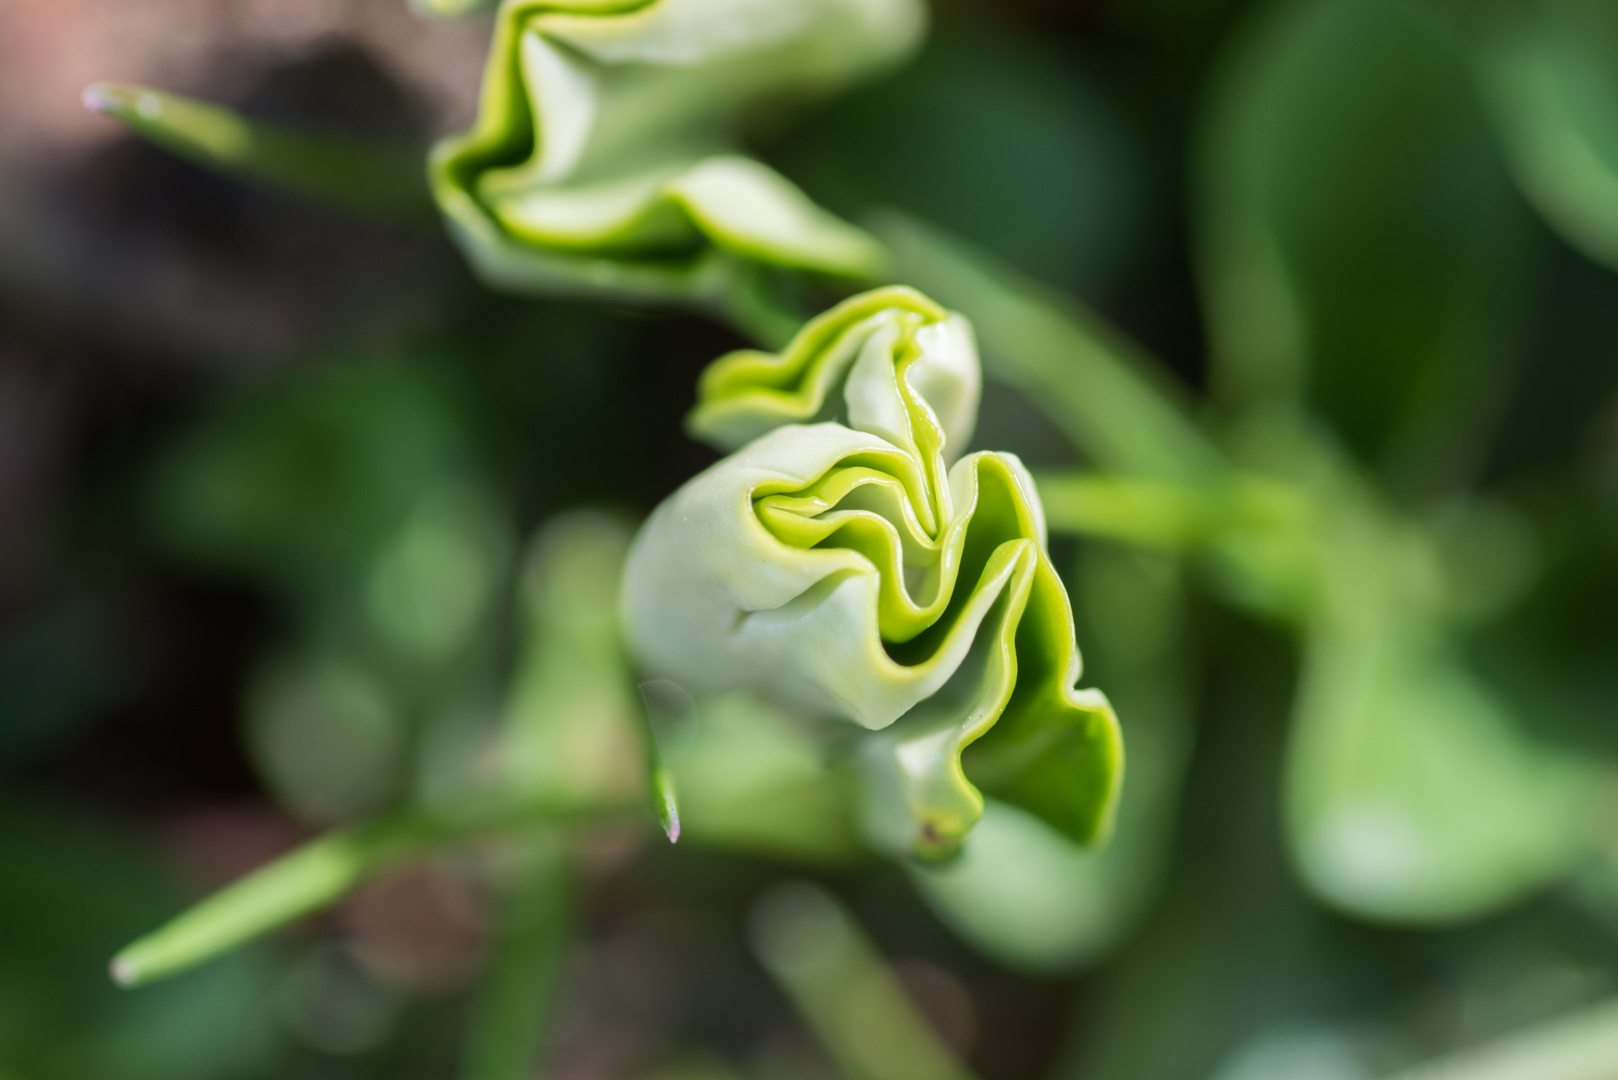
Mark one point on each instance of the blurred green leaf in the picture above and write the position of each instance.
(328, 736)
(999, 136)
(378, 182)
(1413, 794)
(512, 1010)
(572, 724)
(850, 999)
(1550, 76)
(1358, 236)
(308, 478)
(70, 890)
(1580, 1046)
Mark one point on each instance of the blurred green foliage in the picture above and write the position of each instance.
(1350, 590)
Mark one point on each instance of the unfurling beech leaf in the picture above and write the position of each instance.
(602, 157)
(845, 566)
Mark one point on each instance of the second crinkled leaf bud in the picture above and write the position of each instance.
(849, 561)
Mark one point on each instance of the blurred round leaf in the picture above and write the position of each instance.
(327, 737)
(435, 578)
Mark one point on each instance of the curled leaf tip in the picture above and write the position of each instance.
(668, 808)
(841, 564)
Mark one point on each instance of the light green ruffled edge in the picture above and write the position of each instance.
(745, 393)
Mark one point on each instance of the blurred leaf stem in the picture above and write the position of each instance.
(839, 983)
(518, 988)
(1169, 516)
(317, 874)
(375, 181)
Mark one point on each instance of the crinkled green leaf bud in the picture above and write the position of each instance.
(602, 155)
(845, 562)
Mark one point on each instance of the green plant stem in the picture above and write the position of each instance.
(378, 182)
(313, 876)
(1169, 516)
(839, 983)
(1100, 390)
(514, 1001)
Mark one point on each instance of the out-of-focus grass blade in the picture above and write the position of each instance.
(303, 881)
(379, 182)
(514, 1001)
(1095, 385)
(320, 873)
(1583, 1046)
(868, 1025)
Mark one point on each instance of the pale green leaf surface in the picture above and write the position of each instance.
(602, 156)
(748, 393)
(857, 574)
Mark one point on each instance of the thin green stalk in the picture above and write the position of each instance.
(1096, 386)
(515, 999)
(379, 182)
(314, 876)
(1170, 516)
(863, 1017)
